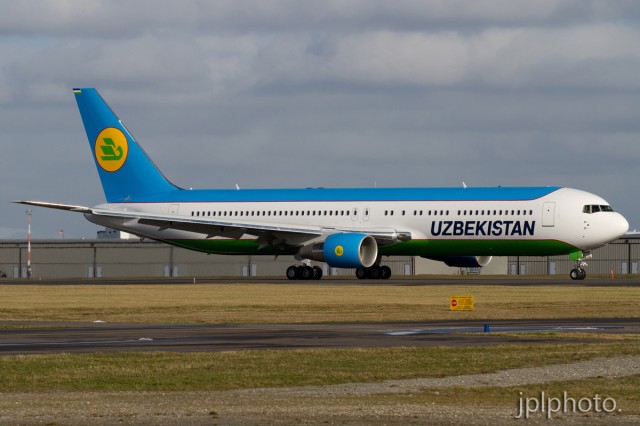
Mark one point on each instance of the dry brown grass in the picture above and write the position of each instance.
(269, 303)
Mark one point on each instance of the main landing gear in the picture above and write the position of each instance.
(304, 272)
(308, 272)
(376, 272)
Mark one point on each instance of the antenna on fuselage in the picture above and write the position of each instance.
(464, 185)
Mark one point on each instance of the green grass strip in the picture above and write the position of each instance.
(160, 371)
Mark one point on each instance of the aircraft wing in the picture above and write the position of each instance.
(267, 233)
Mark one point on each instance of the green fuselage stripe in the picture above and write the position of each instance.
(411, 248)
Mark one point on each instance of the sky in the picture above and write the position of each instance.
(334, 93)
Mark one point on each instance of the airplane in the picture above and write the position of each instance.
(343, 227)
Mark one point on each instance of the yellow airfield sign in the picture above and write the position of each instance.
(461, 303)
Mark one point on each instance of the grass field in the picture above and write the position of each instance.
(149, 371)
(269, 303)
(189, 376)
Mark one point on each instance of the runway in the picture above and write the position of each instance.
(40, 338)
(500, 280)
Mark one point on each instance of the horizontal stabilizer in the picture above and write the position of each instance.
(67, 207)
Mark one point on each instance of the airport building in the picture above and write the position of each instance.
(110, 257)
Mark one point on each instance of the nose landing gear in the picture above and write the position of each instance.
(578, 273)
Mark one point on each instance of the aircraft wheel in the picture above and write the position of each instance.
(583, 274)
(361, 273)
(292, 272)
(317, 272)
(374, 272)
(306, 272)
(385, 272)
(575, 274)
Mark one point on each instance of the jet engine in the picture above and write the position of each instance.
(344, 250)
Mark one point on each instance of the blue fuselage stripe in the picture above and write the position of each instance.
(346, 194)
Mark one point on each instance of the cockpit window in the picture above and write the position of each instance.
(594, 208)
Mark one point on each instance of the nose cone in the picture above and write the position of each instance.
(619, 225)
(605, 227)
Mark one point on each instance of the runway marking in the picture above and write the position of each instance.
(495, 328)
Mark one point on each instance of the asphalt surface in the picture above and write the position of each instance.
(103, 337)
(507, 280)
(32, 337)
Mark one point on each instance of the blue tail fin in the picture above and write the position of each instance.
(125, 170)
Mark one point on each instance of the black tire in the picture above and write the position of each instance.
(575, 274)
(374, 273)
(293, 273)
(361, 273)
(583, 274)
(306, 272)
(317, 272)
(385, 272)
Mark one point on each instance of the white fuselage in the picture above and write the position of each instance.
(558, 216)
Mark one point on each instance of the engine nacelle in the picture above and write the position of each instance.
(344, 250)
(464, 261)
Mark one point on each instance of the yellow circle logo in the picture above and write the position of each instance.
(111, 149)
(339, 251)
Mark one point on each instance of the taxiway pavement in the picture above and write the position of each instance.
(32, 338)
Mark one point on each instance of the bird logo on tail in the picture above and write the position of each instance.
(111, 149)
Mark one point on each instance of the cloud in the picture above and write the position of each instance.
(335, 93)
(119, 18)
